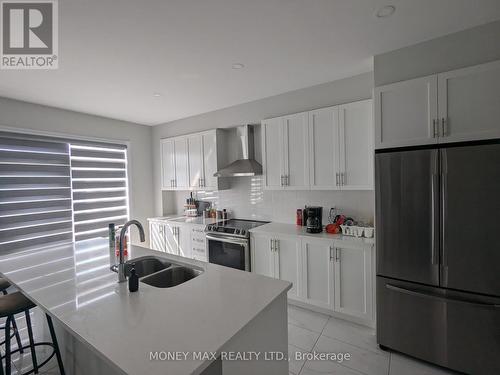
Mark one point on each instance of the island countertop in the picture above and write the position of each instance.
(74, 285)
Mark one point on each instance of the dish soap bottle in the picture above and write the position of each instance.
(133, 281)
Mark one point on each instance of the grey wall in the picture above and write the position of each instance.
(16, 114)
(473, 46)
(324, 95)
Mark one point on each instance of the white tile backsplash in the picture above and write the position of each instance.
(246, 199)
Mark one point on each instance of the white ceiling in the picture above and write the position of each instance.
(113, 55)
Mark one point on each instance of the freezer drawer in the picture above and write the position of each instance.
(457, 330)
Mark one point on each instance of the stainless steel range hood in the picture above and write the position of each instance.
(247, 165)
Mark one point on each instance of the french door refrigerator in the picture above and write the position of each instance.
(438, 254)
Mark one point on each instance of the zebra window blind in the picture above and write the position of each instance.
(56, 190)
(35, 194)
(99, 182)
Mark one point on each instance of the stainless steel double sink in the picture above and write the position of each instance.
(160, 272)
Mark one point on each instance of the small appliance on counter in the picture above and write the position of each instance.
(314, 216)
(202, 207)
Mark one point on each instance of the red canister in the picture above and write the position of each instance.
(298, 219)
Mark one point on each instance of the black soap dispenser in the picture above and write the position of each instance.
(133, 281)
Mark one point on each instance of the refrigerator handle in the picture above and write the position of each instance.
(435, 207)
(440, 298)
(444, 213)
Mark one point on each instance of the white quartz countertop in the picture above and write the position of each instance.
(74, 285)
(199, 220)
(295, 230)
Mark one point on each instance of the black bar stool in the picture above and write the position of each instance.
(16, 303)
(4, 285)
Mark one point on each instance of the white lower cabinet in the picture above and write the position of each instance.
(317, 272)
(333, 276)
(353, 280)
(278, 257)
(172, 238)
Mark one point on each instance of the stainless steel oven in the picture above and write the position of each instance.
(229, 251)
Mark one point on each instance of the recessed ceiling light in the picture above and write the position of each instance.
(238, 66)
(156, 95)
(386, 11)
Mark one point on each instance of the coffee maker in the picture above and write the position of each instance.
(314, 222)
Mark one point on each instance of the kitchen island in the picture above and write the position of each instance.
(218, 312)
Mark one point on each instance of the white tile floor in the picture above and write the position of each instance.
(309, 331)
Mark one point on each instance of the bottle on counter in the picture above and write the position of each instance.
(117, 244)
(133, 280)
(112, 244)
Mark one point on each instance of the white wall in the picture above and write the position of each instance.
(246, 198)
(21, 115)
(473, 46)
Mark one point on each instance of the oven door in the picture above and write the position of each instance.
(228, 251)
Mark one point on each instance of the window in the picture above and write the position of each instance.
(99, 181)
(57, 190)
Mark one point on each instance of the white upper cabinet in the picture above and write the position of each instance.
(469, 103)
(356, 145)
(455, 106)
(353, 280)
(167, 164)
(295, 152)
(190, 162)
(195, 148)
(323, 149)
(406, 112)
(326, 149)
(209, 143)
(273, 154)
(181, 163)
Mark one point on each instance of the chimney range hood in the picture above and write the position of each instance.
(247, 165)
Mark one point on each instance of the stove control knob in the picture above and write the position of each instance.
(236, 231)
(209, 228)
(243, 232)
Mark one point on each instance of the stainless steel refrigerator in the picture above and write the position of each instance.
(438, 254)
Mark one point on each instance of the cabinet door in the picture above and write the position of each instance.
(171, 242)
(181, 163)
(184, 241)
(195, 161)
(209, 160)
(353, 281)
(272, 153)
(262, 256)
(356, 145)
(405, 113)
(287, 263)
(296, 151)
(167, 164)
(157, 236)
(323, 149)
(317, 266)
(469, 103)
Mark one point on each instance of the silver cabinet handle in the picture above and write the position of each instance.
(337, 256)
(272, 245)
(287, 180)
(443, 127)
(331, 253)
(277, 246)
(434, 128)
(343, 178)
(281, 180)
(337, 179)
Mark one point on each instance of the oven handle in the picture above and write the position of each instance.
(227, 240)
